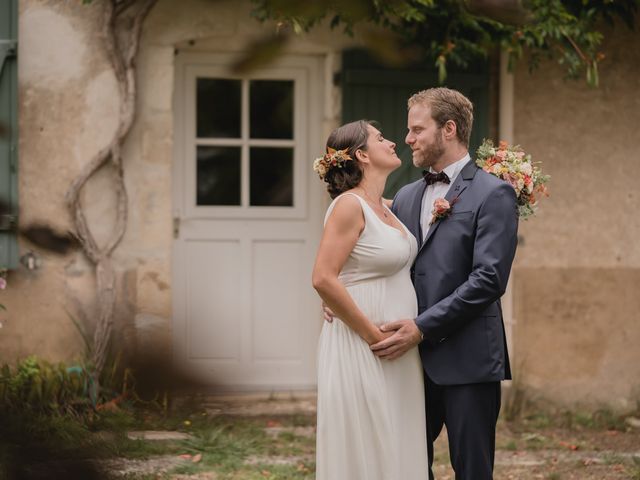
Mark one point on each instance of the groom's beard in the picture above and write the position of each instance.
(430, 154)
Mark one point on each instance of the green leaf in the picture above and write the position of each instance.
(592, 74)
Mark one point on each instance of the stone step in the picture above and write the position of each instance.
(158, 435)
(120, 467)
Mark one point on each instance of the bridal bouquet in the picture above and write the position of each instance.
(513, 165)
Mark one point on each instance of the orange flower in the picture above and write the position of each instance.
(542, 188)
(503, 145)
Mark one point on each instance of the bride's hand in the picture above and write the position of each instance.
(327, 313)
(382, 335)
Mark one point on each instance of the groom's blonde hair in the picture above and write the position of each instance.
(447, 104)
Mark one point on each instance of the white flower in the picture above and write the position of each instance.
(319, 167)
(525, 168)
(496, 168)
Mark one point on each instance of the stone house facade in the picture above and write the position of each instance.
(215, 265)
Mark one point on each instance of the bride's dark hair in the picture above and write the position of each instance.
(352, 137)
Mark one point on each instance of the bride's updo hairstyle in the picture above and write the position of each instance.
(345, 175)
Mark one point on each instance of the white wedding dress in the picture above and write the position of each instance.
(371, 413)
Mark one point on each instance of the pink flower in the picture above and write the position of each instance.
(3, 283)
(441, 209)
(528, 183)
(511, 179)
(440, 205)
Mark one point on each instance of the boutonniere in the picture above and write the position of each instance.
(441, 209)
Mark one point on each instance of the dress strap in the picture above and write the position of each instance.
(363, 205)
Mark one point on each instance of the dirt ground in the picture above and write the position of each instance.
(273, 438)
(570, 445)
(526, 453)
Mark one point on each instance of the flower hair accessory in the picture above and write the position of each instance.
(514, 166)
(333, 158)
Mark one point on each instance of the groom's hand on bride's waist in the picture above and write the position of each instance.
(406, 336)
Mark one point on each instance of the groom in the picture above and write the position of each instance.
(465, 251)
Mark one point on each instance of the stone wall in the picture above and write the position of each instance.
(68, 111)
(575, 290)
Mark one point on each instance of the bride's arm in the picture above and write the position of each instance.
(341, 233)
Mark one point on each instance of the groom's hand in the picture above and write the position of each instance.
(406, 336)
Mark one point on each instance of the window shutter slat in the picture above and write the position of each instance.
(8, 133)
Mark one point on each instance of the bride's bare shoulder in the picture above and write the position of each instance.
(346, 209)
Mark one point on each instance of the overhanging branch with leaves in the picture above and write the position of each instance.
(459, 33)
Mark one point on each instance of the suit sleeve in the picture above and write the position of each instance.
(394, 204)
(493, 251)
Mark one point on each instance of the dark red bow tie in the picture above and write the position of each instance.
(431, 178)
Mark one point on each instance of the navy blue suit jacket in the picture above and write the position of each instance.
(460, 273)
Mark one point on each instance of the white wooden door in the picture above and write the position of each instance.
(248, 218)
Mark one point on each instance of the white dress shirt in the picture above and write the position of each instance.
(438, 190)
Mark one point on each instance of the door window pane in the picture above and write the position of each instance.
(271, 176)
(218, 108)
(271, 109)
(218, 176)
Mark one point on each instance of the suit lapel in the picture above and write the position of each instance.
(415, 210)
(460, 185)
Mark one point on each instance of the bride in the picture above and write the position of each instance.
(371, 413)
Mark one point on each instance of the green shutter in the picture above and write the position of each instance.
(9, 129)
(374, 92)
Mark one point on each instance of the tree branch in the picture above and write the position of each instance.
(575, 47)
